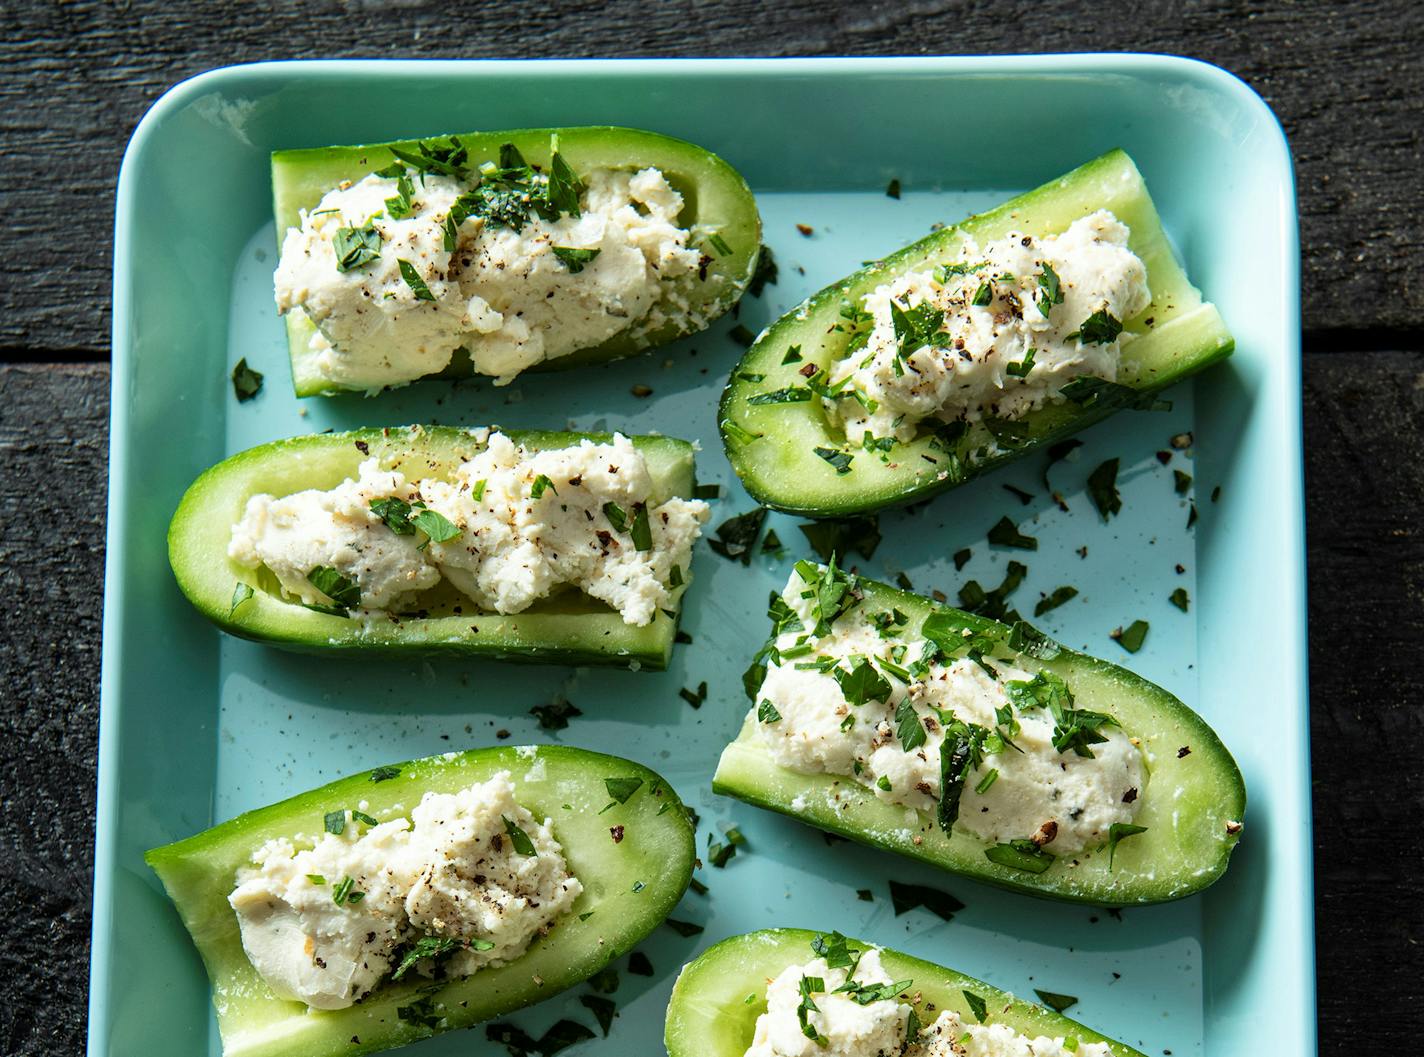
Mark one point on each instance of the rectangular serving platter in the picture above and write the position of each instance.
(196, 727)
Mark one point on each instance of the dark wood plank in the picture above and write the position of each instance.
(1365, 486)
(53, 462)
(1364, 443)
(1345, 80)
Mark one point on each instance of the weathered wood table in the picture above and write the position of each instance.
(1347, 83)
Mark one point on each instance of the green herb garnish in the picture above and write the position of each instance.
(1054, 600)
(414, 281)
(977, 1006)
(343, 592)
(246, 383)
(906, 897)
(241, 594)
(1180, 599)
(620, 789)
(1132, 637)
(356, 247)
(522, 844)
(1054, 1001)
(640, 531)
(1006, 534)
(1119, 832)
(767, 713)
(1102, 489)
(574, 259)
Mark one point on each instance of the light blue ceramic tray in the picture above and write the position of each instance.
(196, 727)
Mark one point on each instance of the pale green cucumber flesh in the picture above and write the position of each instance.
(1192, 804)
(779, 466)
(716, 201)
(568, 628)
(718, 997)
(565, 785)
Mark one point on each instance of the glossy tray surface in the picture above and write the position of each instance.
(197, 726)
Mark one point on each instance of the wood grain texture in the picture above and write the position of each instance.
(53, 463)
(1345, 79)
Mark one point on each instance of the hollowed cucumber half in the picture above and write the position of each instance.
(773, 446)
(629, 887)
(718, 208)
(568, 628)
(1192, 804)
(717, 998)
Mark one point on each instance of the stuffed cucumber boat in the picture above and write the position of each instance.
(766, 993)
(417, 898)
(969, 348)
(984, 749)
(537, 546)
(493, 253)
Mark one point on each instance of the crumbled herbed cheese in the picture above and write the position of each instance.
(527, 522)
(848, 1027)
(1004, 342)
(502, 294)
(324, 924)
(815, 1010)
(949, 1036)
(1064, 800)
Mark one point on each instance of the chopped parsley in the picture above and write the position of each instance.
(246, 383)
(684, 928)
(564, 185)
(344, 892)
(1119, 832)
(603, 1010)
(742, 336)
(767, 713)
(1101, 328)
(436, 526)
(1054, 1001)
(395, 513)
(1087, 391)
(620, 789)
(977, 1005)
(1102, 489)
(737, 536)
(862, 683)
(1132, 637)
(414, 281)
(840, 460)
(356, 247)
(838, 537)
(1022, 855)
(556, 714)
(343, 593)
(241, 594)
(906, 897)
(892, 189)
(1054, 600)
(575, 260)
(541, 485)
(1050, 289)
(334, 822)
(1180, 599)
(961, 751)
(1021, 368)
(640, 531)
(384, 774)
(765, 271)
(1182, 482)
(1006, 534)
(908, 727)
(961, 558)
(522, 844)
(791, 394)
(984, 295)
(719, 244)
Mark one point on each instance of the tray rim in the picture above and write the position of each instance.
(1083, 64)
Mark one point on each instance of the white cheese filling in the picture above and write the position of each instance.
(525, 523)
(814, 1010)
(949, 1036)
(838, 1025)
(504, 295)
(995, 304)
(849, 701)
(323, 923)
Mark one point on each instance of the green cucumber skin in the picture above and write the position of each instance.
(708, 1015)
(658, 849)
(716, 198)
(565, 630)
(1187, 336)
(1194, 796)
